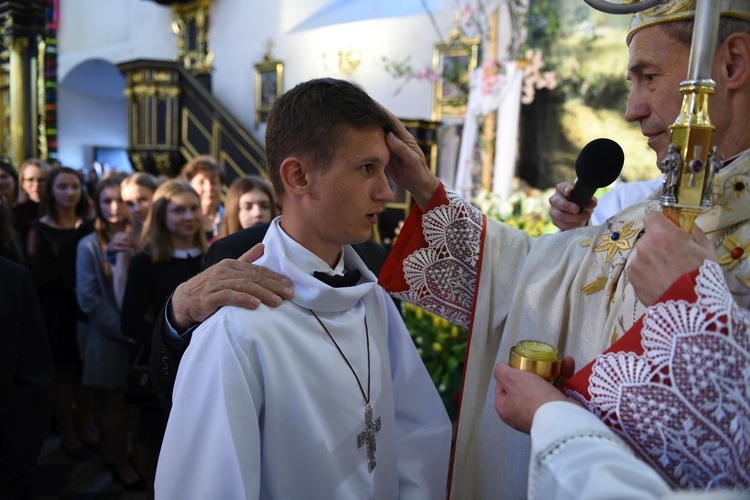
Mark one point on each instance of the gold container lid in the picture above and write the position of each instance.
(536, 357)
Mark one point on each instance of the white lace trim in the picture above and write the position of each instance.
(684, 405)
(442, 276)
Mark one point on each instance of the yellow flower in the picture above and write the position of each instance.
(616, 240)
(736, 251)
(437, 347)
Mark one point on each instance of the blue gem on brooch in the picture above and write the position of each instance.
(614, 236)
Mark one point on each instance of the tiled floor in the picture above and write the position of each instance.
(58, 477)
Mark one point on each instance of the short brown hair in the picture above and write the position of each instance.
(308, 120)
(202, 163)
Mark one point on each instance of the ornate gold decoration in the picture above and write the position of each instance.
(595, 286)
(587, 242)
(5, 145)
(269, 83)
(137, 161)
(677, 10)
(6, 37)
(454, 60)
(190, 24)
(152, 90)
(616, 240)
(18, 91)
(349, 61)
(163, 165)
(737, 251)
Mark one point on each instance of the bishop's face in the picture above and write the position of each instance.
(346, 198)
(657, 65)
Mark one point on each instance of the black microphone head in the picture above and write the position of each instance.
(599, 163)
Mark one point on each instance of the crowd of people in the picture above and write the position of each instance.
(297, 377)
(103, 257)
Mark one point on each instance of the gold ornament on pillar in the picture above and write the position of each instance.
(190, 24)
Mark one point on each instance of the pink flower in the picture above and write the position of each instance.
(466, 13)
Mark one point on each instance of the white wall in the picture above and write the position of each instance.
(113, 30)
(124, 30)
(85, 121)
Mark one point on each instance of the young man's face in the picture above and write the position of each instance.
(348, 196)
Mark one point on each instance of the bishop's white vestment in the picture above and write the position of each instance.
(265, 405)
(569, 289)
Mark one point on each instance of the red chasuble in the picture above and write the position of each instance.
(676, 386)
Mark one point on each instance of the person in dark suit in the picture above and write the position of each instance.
(26, 374)
(229, 278)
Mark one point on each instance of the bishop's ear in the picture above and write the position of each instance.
(294, 175)
(734, 56)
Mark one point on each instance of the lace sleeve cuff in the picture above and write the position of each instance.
(435, 261)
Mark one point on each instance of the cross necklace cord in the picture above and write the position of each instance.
(367, 436)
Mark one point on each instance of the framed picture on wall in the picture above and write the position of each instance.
(269, 84)
(454, 60)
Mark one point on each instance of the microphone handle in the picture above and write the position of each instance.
(581, 194)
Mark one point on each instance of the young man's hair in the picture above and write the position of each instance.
(307, 121)
(230, 223)
(155, 238)
(202, 163)
(48, 205)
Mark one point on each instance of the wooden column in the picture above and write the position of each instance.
(490, 121)
(18, 86)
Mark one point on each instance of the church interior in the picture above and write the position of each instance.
(495, 97)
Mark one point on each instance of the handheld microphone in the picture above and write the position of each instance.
(598, 164)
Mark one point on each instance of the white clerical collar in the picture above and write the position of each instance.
(286, 256)
(186, 254)
(308, 260)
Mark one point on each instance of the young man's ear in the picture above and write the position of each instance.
(293, 172)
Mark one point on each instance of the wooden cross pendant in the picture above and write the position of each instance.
(367, 437)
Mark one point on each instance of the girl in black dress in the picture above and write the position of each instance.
(173, 246)
(52, 249)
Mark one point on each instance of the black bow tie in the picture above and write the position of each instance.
(349, 278)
